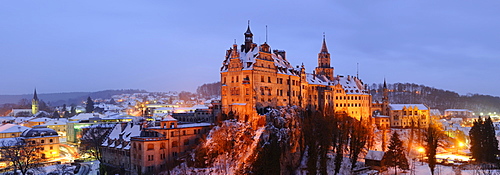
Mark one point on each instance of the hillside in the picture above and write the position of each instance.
(436, 98)
(56, 99)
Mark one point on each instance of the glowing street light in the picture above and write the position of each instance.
(421, 150)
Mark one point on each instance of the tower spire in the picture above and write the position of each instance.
(323, 47)
(35, 96)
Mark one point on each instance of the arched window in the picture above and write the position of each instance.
(151, 146)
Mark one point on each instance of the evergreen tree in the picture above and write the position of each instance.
(395, 156)
(63, 108)
(484, 144)
(56, 115)
(89, 108)
(73, 110)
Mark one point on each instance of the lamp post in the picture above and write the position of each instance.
(421, 150)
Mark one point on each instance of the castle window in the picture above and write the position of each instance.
(151, 146)
(237, 78)
(232, 79)
(224, 80)
(184, 133)
(51, 140)
(262, 79)
(175, 144)
(269, 79)
(162, 145)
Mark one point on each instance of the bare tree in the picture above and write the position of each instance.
(21, 155)
(92, 138)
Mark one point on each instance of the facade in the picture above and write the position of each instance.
(462, 113)
(11, 130)
(47, 138)
(409, 115)
(137, 149)
(254, 77)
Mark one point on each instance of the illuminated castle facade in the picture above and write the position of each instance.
(254, 77)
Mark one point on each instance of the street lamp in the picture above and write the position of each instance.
(421, 150)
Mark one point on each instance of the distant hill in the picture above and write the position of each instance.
(57, 99)
(436, 98)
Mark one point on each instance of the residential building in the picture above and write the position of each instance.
(139, 149)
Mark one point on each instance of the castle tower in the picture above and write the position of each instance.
(248, 39)
(34, 103)
(385, 100)
(324, 67)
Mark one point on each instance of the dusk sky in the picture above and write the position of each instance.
(157, 45)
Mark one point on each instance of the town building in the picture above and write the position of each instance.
(46, 138)
(409, 115)
(458, 113)
(142, 149)
(11, 130)
(254, 76)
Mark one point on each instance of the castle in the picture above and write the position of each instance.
(254, 77)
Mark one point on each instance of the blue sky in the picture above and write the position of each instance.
(156, 45)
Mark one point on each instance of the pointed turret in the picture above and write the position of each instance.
(385, 100)
(248, 38)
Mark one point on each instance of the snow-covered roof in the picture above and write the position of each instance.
(401, 106)
(169, 118)
(249, 59)
(189, 125)
(85, 116)
(9, 128)
(457, 110)
(41, 119)
(381, 116)
(374, 155)
(130, 130)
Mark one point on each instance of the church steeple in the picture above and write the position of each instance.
(324, 67)
(34, 103)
